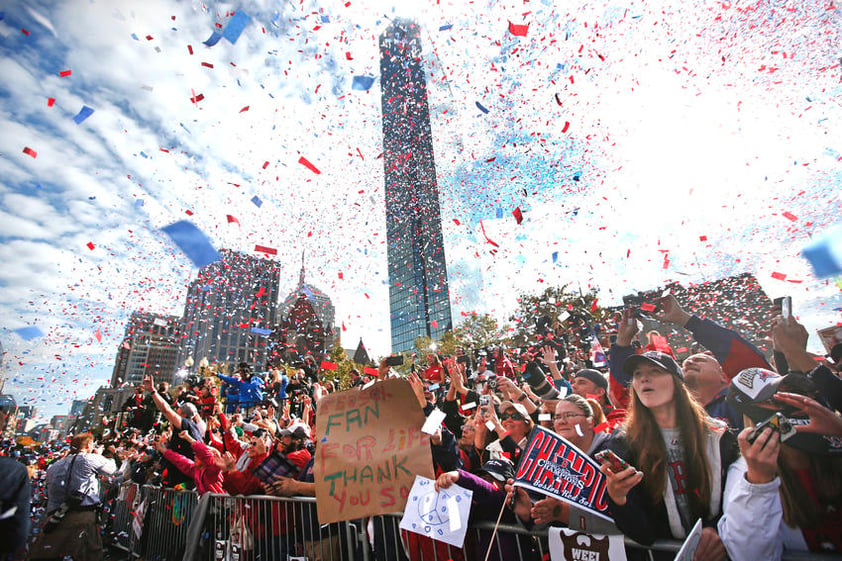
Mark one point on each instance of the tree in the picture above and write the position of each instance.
(479, 330)
(555, 309)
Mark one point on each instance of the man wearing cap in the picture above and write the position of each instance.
(730, 351)
(590, 383)
(292, 444)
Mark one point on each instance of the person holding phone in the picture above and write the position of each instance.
(679, 457)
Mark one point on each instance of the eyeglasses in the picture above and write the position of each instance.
(567, 416)
(512, 416)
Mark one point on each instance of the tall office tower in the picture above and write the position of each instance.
(419, 298)
(231, 309)
(151, 346)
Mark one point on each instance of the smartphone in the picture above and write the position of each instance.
(777, 422)
(396, 360)
(614, 462)
(786, 307)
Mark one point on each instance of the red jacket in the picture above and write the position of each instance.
(205, 474)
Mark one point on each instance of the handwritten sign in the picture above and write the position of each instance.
(553, 466)
(441, 515)
(369, 449)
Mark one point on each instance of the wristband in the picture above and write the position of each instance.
(522, 397)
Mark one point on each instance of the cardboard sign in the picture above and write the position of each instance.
(369, 449)
(570, 545)
(553, 466)
(441, 515)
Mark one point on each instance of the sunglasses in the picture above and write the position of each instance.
(512, 416)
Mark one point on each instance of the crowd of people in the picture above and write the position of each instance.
(685, 435)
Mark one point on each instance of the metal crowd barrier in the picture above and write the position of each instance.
(164, 524)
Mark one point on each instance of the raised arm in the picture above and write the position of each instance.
(162, 405)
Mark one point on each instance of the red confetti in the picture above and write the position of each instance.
(98, 336)
(434, 324)
(207, 64)
(303, 161)
(65, 73)
(246, 108)
(30, 152)
(455, 221)
(789, 216)
(328, 365)
(566, 126)
(348, 56)
(267, 250)
(594, 305)
(51, 101)
(24, 31)
(778, 276)
(369, 371)
(484, 234)
(518, 30)
(703, 238)
(265, 165)
(190, 49)
(232, 219)
(518, 215)
(91, 246)
(341, 276)
(647, 307)
(197, 98)
(149, 38)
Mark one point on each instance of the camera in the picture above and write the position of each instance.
(535, 377)
(778, 423)
(492, 382)
(396, 360)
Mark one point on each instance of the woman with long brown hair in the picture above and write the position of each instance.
(679, 457)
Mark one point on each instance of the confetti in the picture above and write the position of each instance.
(65, 73)
(51, 101)
(30, 152)
(235, 26)
(232, 219)
(267, 250)
(825, 253)
(518, 30)
(210, 41)
(303, 161)
(256, 201)
(481, 108)
(29, 333)
(518, 215)
(83, 114)
(362, 83)
(192, 242)
(91, 246)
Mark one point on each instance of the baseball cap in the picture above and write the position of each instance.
(500, 469)
(516, 406)
(297, 430)
(655, 358)
(594, 376)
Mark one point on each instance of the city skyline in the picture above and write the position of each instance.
(582, 145)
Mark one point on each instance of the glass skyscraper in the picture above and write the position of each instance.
(419, 298)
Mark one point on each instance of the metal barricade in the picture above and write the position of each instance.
(261, 528)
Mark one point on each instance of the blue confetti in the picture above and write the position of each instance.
(499, 213)
(481, 108)
(555, 256)
(134, 36)
(193, 242)
(257, 202)
(29, 333)
(362, 83)
(446, 26)
(325, 19)
(213, 39)
(236, 26)
(825, 253)
(142, 153)
(139, 203)
(261, 331)
(83, 114)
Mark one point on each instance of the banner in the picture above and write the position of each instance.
(369, 449)
(553, 466)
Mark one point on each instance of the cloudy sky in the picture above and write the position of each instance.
(643, 142)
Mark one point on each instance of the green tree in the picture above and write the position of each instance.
(479, 330)
(559, 307)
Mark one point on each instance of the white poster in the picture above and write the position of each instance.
(441, 515)
(688, 548)
(570, 545)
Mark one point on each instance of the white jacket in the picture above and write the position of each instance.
(752, 527)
